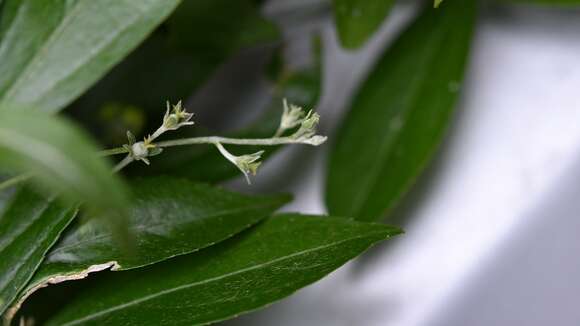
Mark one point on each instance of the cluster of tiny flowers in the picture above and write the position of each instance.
(293, 117)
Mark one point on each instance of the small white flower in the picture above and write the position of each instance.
(292, 116)
(248, 163)
(177, 117)
(140, 151)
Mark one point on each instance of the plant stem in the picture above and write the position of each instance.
(113, 151)
(212, 140)
(126, 161)
(232, 141)
(170, 143)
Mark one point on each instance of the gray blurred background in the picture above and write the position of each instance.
(492, 226)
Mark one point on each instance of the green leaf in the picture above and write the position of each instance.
(400, 114)
(219, 26)
(357, 20)
(169, 217)
(29, 225)
(545, 2)
(52, 50)
(265, 264)
(61, 158)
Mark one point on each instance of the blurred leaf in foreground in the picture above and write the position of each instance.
(61, 158)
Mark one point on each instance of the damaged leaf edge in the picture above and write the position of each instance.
(11, 312)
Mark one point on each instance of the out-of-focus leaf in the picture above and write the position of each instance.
(212, 28)
(545, 2)
(29, 225)
(263, 265)
(61, 158)
(399, 116)
(170, 65)
(300, 86)
(52, 50)
(357, 20)
(169, 217)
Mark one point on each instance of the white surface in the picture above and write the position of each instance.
(492, 194)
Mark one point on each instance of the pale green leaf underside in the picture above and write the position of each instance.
(53, 50)
(399, 116)
(265, 264)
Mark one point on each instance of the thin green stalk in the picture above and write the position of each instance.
(113, 151)
(230, 141)
(123, 163)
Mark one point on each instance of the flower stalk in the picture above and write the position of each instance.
(293, 118)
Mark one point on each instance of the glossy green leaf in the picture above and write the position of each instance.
(51, 51)
(265, 264)
(400, 114)
(61, 157)
(29, 225)
(169, 217)
(357, 20)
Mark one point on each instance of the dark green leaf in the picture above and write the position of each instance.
(357, 20)
(544, 2)
(169, 217)
(61, 157)
(399, 116)
(212, 28)
(263, 265)
(52, 50)
(29, 225)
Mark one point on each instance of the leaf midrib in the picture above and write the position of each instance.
(213, 279)
(72, 13)
(376, 170)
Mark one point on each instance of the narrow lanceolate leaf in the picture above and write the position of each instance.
(51, 51)
(545, 2)
(169, 217)
(60, 157)
(357, 20)
(29, 225)
(263, 265)
(399, 116)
